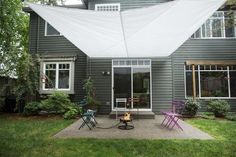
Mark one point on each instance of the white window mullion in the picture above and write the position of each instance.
(211, 30)
(70, 76)
(228, 77)
(57, 75)
(44, 74)
(132, 86)
(201, 32)
(223, 26)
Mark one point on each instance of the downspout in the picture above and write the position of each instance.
(88, 67)
(37, 41)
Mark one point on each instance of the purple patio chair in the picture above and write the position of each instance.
(171, 118)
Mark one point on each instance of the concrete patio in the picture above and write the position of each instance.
(144, 129)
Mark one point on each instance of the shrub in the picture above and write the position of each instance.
(57, 102)
(90, 93)
(71, 113)
(32, 108)
(231, 117)
(191, 107)
(218, 107)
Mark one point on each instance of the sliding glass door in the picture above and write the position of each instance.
(132, 81)
(122, 86)
(141, 87)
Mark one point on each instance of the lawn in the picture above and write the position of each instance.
(32, 137)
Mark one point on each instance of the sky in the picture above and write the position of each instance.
(67, 2)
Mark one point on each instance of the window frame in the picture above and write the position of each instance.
(71, 75)
(107, 4)
(46, 31)
(57, 75)
(199, 83)
(224, 28)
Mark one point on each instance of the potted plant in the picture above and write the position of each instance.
(90, 94)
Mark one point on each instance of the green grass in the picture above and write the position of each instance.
(32, 137)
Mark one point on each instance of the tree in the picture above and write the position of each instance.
(28, 77)
(13, 35)
(49, 2)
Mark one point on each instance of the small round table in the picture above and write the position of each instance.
(125, 125)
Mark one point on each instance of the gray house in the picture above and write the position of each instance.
(154, 80)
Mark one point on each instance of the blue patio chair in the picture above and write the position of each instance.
(87, 117)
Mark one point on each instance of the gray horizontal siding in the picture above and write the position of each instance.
(161, 84)
(58, 46)
(126, 4)
(33, 29)
(102, 83)
(200, 49)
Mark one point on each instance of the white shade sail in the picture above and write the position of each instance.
(155, 31)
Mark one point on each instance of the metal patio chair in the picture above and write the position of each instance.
(171, 118)
(88, 117)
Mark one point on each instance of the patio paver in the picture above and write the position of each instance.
(144, 129)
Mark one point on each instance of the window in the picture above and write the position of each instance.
(57, 76)
(108, 7)
(188, 80)
(220, 25)
(50, 31)
(212, 81)
(131, 62)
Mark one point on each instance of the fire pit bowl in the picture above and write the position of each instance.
(125, 125)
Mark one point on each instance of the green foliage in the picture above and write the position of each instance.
(191, 107)
(28, 78)
(48, 2)
(90, 92)
(231, 116)
(218, 107)
(32, 108)
(71, 113)
(88, 87)
(13, 35)
(58, 102)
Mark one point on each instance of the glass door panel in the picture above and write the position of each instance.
(122, 86)
(141, 87)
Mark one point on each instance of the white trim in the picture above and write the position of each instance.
(112, 88)
(228, 77)
(107, 5)
(185, 87)
(53, 59)
(132, 86)
(150, 85)
(57, 76)
(46, 31)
